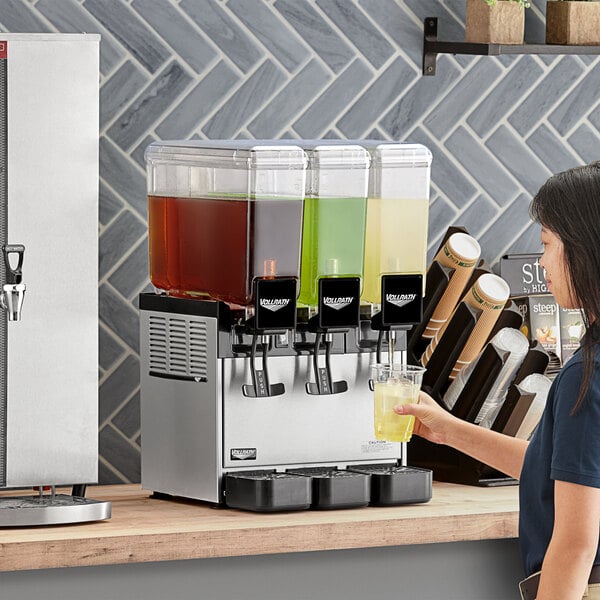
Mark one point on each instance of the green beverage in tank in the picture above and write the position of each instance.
(332, 242)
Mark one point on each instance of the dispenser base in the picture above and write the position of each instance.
(393, 485)
(30, 511)
(267, 491)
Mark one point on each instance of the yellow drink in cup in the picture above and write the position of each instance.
(388, 425)
(395, 385)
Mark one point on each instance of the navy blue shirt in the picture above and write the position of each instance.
(563, 448)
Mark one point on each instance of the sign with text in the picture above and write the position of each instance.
(523, 274)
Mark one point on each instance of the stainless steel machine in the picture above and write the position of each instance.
(49, 276)
(256, 349)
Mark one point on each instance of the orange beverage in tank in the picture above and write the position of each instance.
(214, 246)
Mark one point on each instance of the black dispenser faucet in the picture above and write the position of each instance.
(274, 314)
(401, 308)
(338, 312)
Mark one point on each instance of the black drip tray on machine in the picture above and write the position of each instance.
(267, 491)
(392, 484)
(333, 488)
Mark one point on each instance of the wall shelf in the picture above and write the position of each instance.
(432, 47)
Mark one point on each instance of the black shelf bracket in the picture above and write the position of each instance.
(432, 47)
(430, 42)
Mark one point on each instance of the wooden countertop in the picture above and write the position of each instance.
(146, 529)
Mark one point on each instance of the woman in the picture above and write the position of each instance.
(559, 469)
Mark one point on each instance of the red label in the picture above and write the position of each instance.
(3, 49)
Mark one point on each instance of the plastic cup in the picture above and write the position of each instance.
(394, 385)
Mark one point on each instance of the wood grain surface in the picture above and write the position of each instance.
(146, 529)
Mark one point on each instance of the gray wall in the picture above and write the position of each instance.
(484, 570)
(497, 127)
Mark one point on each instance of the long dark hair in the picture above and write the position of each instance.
(568, 204)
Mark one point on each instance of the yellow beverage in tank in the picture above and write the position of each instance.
(395, 241)
(390, 426)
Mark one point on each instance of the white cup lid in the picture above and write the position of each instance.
(464, 245)
(494, 287)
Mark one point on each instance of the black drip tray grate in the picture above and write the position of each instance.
(327, 488)
(337, 488)
(392, 485)
(267, 491)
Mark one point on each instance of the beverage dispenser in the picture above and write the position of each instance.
(225, 223)
(49, 277)
(334, 215)
(396, 240)
(221, 217)
(236, 405)
(335, 207)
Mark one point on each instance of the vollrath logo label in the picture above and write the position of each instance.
(338, 303)
(400, 300)
(243, 453)
(274, 304)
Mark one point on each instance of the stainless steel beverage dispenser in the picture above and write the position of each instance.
(229, 406)
(49, 275)
(396, 240)
(333, 243)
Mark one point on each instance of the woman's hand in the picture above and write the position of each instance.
(437, 425)
(431, 420)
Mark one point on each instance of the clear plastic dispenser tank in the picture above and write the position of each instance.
(397, 213)
(222, 213)
(334, 215)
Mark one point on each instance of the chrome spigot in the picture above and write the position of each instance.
(12, 300)
(13, 291)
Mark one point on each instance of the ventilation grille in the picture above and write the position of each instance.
(177, 348)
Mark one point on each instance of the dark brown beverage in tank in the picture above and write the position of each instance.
(216, 246)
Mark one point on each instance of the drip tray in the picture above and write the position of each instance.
(267, 491)
(333, 488)
(392, 485)
(29, 511)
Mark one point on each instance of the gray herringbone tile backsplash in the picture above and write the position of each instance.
(497, 127)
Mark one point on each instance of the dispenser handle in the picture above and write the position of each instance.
(324, 384)
(260, 386)
(13, 275)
